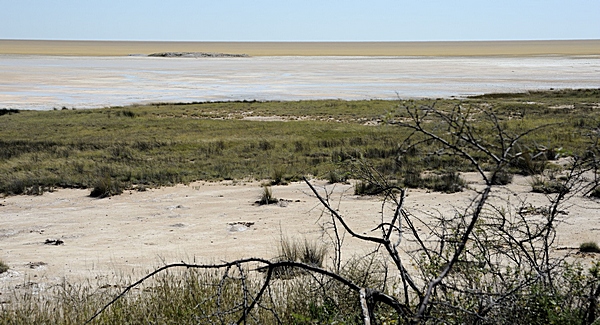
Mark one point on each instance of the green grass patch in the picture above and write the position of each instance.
(166, 144)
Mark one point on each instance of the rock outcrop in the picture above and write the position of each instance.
(197, 55)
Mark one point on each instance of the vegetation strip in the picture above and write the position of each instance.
(119, 148)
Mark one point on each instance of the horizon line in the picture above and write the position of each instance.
(300, 41)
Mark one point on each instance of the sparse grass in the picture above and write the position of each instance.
(214, 297)
(589, 247)
(308, 252)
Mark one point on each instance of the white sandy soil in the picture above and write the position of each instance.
(111, 239)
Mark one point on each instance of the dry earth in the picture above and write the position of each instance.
(453, 48)
(107, 240)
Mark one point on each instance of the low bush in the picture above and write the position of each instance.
(589, 247)
(550, 186)
(304, 251)
(526, 164)
(3, 267)
(413, 179)
(278, 177)
(447, 183)
(502, 177)
(335, 176)
(366, 188)
(267, 196)
(106, 186)
(8, 111)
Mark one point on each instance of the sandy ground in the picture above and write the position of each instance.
(111, 239)
(108, 48)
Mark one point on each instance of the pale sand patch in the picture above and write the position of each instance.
(114, 239)
(457, 48)
(46, 82)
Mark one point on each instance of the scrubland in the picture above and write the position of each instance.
(496, 269)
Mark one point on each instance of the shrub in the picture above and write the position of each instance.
(106, 186)
(126, 113)
(3, 267)
(335, 176)
(279, 177)
(502, 177)
(15, 186)
(38, 189)
(447, 183)
(413, 179)
(366, 188)
(527, 165)
(265, 145)
(8, 111)
(312, 253)
(540, 185)
(595, 192)
(307, 252)
(267, 196)
(589, 247)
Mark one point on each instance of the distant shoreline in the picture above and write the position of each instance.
(439, 48)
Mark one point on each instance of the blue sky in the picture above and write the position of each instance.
(306, 20)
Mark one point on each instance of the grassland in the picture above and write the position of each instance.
(166, 144)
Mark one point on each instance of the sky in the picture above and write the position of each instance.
(304, 20)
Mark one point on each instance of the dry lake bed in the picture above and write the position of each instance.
(53, 74)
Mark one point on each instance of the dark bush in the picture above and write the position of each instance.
(278, 177)
(106, 186)
(8, 111)
(335, 176)
(447, 183)
(267, 197)
(502, 177)
(366, 188)
(526, 165)
(589, 247)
